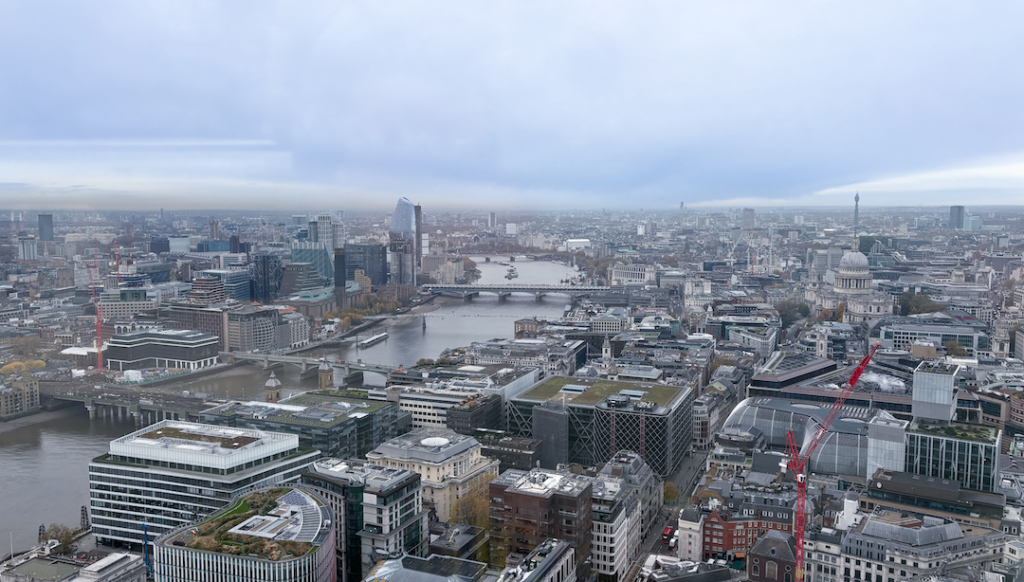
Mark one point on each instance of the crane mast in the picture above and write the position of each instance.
(798, 463)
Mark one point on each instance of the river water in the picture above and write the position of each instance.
(44, 466)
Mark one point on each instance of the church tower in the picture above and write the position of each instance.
(272, 389)
(325, 376)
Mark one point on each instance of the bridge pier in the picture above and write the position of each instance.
(538, 295)
(502, 296)
(92, 412)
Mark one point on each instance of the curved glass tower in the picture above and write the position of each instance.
(403, 224)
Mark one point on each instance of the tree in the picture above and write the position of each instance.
(26, 346)
(912, 304)
(954, 348)
(671, 492)
(790, 311)
(472, 510)
(64, 535)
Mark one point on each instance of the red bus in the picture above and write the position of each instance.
(666, 536)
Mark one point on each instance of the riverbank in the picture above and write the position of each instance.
(39, 418)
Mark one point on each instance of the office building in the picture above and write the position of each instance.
(934, 393)
(139, 481)
(434, 568)
(956, 217)
(267, 274)
(159, 244)
(285, 534)
(587, 421)
(403, 246)
(124, 303)
(633, 474)
(897, 547)
(339, 278)
(510, 452)
(237, 282)
(298, 278)
(161, 348)
(563, 357)
(418, 235)
(336, 426)
(379, 512)
(208, 291)
(371, 258)
(553, 560)
(180, 244)
(965, 453)
(46, 227)
(319, 255)
(451, 465)
(616, 537)
(199, 316)
(255, 329)
(558, 504)
(932, 496)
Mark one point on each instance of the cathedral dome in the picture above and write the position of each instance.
(854, 260)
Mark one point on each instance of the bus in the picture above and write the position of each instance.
(666, 535)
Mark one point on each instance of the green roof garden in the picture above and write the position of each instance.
(966, 432)
(598, 390)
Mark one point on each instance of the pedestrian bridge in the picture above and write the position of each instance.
(502, 291)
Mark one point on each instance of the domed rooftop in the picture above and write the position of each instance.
(854, 260)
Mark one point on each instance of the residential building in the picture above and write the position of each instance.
(292, 542)
(379, 511)
(142, 480)
(530, 507)
(19, 396)
(450, 463)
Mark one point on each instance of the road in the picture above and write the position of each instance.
(685, 479)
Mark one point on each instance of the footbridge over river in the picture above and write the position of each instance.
(468, 291)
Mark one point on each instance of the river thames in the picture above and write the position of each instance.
(44, 466)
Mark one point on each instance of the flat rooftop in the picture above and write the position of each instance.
(275, 524)
(44, 569)
(589, 392)
(543, 482)
(309, 409)
(350, 471)
(202, 444)
(938, 368)
(955, 430)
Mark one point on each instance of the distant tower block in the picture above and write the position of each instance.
(272, 389)
(856, 213)
(326, 377)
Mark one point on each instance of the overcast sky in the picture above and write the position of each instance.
(548, 104)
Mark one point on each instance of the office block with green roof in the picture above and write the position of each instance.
(587, 421)
(337, 426)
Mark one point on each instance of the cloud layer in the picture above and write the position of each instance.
(472, 104)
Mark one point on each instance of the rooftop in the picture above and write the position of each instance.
(543, 482)
(44, 569)
(954, 430)
(271, 524)
(314, 409)
(590, 392)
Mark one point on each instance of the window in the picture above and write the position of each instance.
(771, 570)
(755, 571)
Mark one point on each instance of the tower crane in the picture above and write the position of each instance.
(797, 463)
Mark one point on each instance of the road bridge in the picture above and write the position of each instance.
(468, 291)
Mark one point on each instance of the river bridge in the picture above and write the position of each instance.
(146, 406)
(307, 366)
(468, 291)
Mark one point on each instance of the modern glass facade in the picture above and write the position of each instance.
(954, 453)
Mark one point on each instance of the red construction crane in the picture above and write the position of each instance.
(797, 464)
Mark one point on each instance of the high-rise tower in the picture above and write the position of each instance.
(856, 213)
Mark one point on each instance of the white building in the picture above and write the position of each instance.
(171, 473)
(689, 527)
(615, 540)
(624, 273)
(449, 463)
